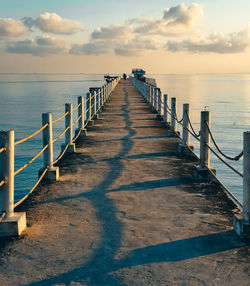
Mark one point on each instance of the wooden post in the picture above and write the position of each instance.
(165, 111)
(81, 122)
(69, 132)
(173, 114)
(242, 222)
(13, 223)
(52, 174)
(246, 177)
(185, 133)
(204, 140)
(7, 172)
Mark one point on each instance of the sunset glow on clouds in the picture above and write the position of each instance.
(179, 29)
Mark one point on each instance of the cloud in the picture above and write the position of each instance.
(91, 48)
(214, 43)
(112, 32)
(176, 20)
(180, 15)
(53, 23)
(41, 46)
(136, 47)
(11, 28)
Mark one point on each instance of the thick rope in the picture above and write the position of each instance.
(60, 135)
(77, 119)
(3, 149)
(236, 158)
(31, 135)
(33, 188)
(61, 155)
(60, 118)
(2, 216)
(190, 123)
(222, 160)
(77, 107)
(3, 182)
(31, 161)
(78, 134)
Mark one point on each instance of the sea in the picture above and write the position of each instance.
(24, 97)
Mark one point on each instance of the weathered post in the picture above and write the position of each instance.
(13, 223)
(69, 125)
(90, 114)
(81, 122)
(52, 173)
(172, 131)
(159, 108)
(152, 97)
(149, 96)
(155, 99)
(242, 223)
(165, 111)
(185, 134)
(102, 96)
(204, 140)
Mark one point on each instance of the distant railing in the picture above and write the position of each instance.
(88, 107)
(159, 104)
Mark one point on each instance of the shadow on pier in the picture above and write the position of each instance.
(127, 211)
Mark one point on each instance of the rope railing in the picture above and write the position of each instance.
(3, 182)
(235, 158)
(191, 125)
(32, 189)
(2, 216)
(60, 135)
(153, 100)
(49, 171)
(78, 118)
(60, 118)
(61, 155)
(168, 110)
(226, 163)
(31, 161)
(2, 149)
(77, 106)
(30, 136)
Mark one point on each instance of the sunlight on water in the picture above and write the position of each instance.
(24, 97)
(227, 97)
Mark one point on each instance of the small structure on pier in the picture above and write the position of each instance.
(139, 74)
(109, 78)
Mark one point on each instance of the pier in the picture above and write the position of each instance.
(127, 202)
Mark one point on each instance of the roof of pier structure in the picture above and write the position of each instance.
(127, 211)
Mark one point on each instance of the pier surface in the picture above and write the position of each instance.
(127, 211)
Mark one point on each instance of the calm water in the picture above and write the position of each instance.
(24, 97)
(227, 97)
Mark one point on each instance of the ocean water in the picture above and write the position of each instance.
(227, 97)
(24, 97)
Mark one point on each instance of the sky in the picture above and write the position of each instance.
(114, 36)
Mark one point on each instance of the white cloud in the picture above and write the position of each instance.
(53, 23)
(176, 20)
(136, 47)
(11, 28)
(41, 46)
(214, 43)
(112, 32)
(92, 48)
(180, 15)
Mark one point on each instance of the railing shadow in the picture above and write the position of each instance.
(183, 249)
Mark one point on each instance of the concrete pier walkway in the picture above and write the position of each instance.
(127, 211)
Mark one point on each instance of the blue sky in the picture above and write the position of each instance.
(93, 24)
